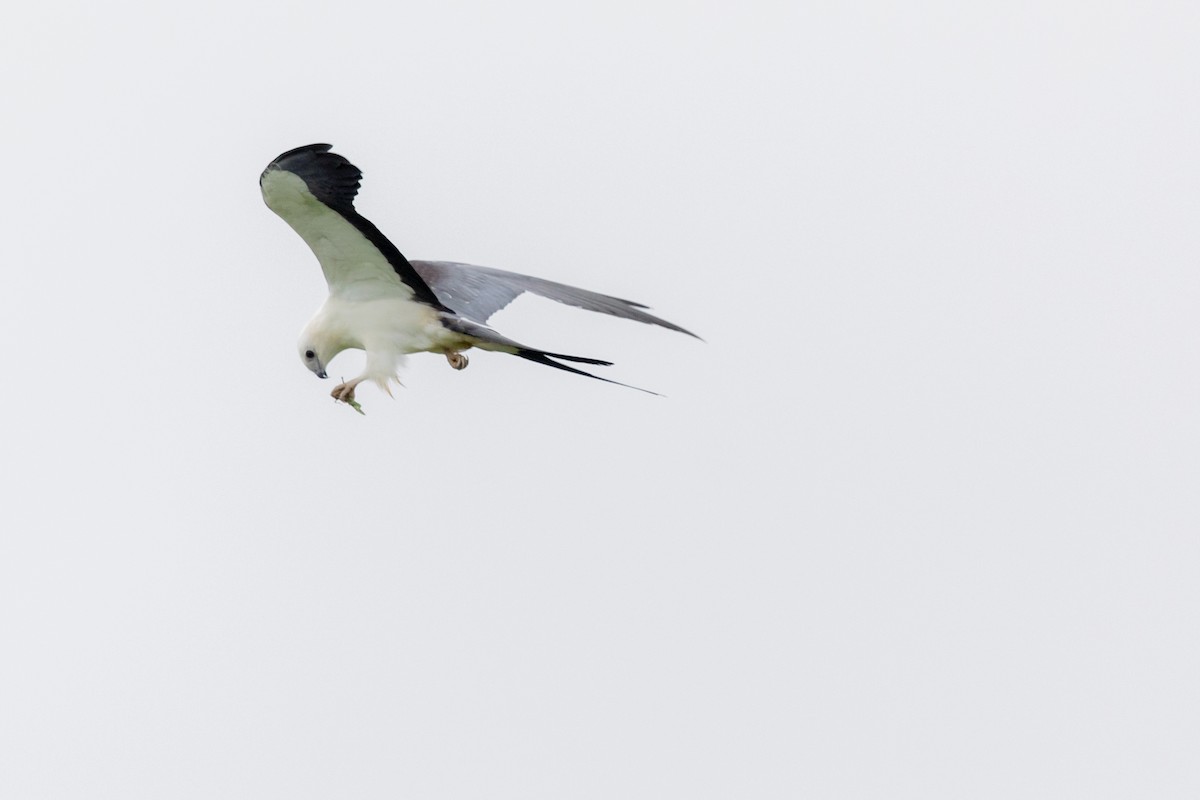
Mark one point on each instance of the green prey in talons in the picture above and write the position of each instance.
(344, 393)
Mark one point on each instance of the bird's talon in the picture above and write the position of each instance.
(457, 360)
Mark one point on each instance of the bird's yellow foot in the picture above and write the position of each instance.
(344, 393)
(457, 360)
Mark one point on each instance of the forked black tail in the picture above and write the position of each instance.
(540, 357)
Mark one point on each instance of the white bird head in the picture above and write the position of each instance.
(310, 354)
(318, 346)
(324, 337)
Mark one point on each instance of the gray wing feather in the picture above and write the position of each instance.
(479, 292)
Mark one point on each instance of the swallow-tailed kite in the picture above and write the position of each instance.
(382, 303)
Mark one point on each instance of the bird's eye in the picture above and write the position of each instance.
(309, 354)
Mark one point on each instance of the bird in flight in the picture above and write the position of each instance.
(388, 306)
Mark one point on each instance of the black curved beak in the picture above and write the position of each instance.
(322, 375)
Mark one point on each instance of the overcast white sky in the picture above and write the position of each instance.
(919, 519)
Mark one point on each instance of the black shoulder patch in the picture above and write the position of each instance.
(331, 178)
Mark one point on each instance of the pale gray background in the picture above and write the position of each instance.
(918, 520)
